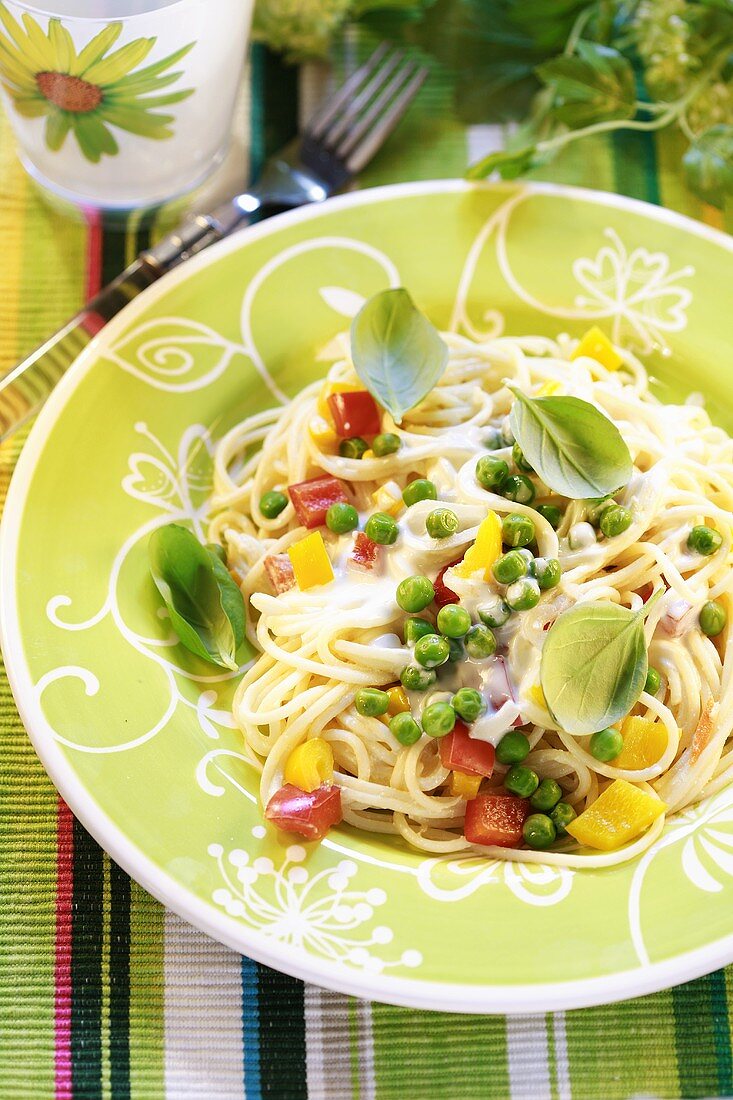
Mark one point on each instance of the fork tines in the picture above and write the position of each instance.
(355, 121)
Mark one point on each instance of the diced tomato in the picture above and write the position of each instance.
(443, 594)
(354, 413)
(310, 814)
(365, 554)
(496, 818)
(312, 499)
(462, 753)
(279, 569)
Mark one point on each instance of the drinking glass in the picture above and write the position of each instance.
(118, 104)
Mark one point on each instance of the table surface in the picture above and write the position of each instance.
(104, 993)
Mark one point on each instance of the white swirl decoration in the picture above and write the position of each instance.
(174, 354)
(446, 879)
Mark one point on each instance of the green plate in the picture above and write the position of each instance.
(137, 735)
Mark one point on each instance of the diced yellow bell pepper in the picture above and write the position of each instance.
(644, 742)
(327, 390)
(464, 786)
(617, 816)
(485, 550)
(322, 433)
(595, 344)
(310, 765)
(550, 389)
(398, 701)
(368, 453)
(388, 498)
(310, 561)
(537, 696)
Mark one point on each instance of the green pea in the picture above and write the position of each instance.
(419, 489)
(415, 678)
(539, 831)
(509, 567)
(561, 817)
(457, 650)
(353, 448)
(547, 572)
(653, 681)
(432, 651)
(521, 780)
(415, 629)
(547, 795)
(494, 612)
(606, 744)
(517, 530)
(272, 503)
(520, 461)
(480, 642)
(493, 440)
(595, 508)
(468, 704)
(551, 513)
(371, 702)
(404, 728)
(713, 618)
(615, 521)
(386, 444)
(441, 523)
(519, 488)
(453, 621)
(705, 540)
(414, 594)
(216, 548)
(513, 748)
(342, 518)
(491, 472)
(438, 719)
(382, 528)
(523, 594)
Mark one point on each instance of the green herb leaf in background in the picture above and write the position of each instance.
(574, 448)
(397, 353)
(709, 165)
(594, 664)
(205, 605)
(594, 85)
(509, 163)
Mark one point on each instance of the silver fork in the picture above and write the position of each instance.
(337, 143)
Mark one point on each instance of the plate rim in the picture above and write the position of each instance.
(408, 992)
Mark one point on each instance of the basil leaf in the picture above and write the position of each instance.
(596, 85)
(594, 665)
(204, 603)
(709, 165)
(574, 448)
(397, 353)
(509, 163)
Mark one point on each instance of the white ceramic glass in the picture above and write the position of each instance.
(122, 103)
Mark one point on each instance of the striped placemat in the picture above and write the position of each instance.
(104, 994)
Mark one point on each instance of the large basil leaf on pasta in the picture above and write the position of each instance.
(574, 448)
(594, 664)
(397, 353)
(205, 605)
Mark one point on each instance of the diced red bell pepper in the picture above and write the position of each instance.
(354, 413)
(443, 594)
(279, 569)
(312, 499)
(365, 555)
(462, 753)
(496, 818)
(310, 814)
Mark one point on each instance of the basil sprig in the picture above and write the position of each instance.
(205, 605)
(397, 353)
(594, 664)
(574, 448)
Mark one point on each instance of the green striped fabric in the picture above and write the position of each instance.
(103, 994)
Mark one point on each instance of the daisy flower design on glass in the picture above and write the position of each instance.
(90, 92)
